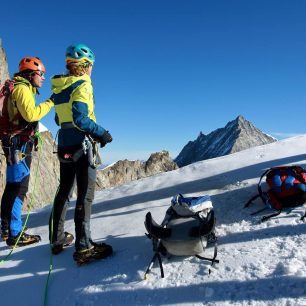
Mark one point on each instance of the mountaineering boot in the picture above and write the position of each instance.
(96, 252)
(58, 248)
(4, 234)
(25, 239)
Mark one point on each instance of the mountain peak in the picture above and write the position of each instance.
(238, 134)
(240, 118)
(239, 121)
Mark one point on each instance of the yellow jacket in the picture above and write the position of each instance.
(74, 105)
(23, 102)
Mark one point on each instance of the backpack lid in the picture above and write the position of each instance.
(189, 206)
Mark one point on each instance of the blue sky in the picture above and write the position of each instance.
(167, 69)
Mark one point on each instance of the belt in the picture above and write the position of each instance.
(67, 125)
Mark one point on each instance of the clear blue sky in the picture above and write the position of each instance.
(167, 69)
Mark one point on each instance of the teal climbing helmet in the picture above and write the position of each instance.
(79, 53)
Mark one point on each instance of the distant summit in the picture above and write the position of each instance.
(237, 135)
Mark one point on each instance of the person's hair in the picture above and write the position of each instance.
(77, 68)
(26, 74)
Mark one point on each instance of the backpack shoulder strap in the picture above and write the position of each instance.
(155, 229)
(205, 227)
(259, 183)
(170, 214)
(260, 192)
(7, 87)
(267, 217)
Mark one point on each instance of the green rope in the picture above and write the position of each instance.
(51, 255)
(39, 148)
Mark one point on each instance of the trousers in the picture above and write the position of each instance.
(18, 163)
(85, 178)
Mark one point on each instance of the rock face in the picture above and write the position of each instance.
(125, 171)
(43, 177)
(236, 136)
(4, 75)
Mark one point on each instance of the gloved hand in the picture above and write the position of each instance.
(51, 99)
(105, 139)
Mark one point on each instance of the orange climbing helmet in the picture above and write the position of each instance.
(31, 63)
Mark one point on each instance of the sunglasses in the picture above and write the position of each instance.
(40, 73)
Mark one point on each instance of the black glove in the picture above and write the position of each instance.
(105, 139)
(52, 97)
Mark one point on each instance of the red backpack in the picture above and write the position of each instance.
(286, 189)
(7, 127)
(5, 92)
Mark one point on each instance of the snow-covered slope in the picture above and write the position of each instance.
(260, 263)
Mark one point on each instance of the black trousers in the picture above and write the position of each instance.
(85, 178)
(18, 162)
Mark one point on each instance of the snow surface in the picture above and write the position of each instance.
(260, 263)
(42, 128)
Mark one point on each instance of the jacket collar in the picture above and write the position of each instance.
(19, 79)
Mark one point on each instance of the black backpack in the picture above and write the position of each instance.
(187, 229)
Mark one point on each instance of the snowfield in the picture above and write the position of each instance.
(260, 263)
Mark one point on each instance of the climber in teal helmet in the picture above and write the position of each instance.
(78, 135)
(79, 53)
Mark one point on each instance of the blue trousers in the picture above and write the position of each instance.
(18, 161)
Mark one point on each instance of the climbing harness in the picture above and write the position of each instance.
(39, 148)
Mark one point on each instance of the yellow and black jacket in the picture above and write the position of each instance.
(22, 108)
(74, 107)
